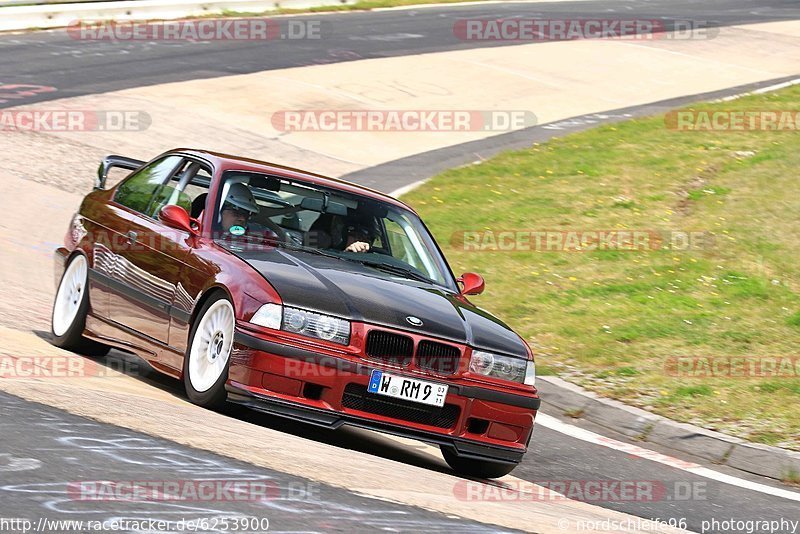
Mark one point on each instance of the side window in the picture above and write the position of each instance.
(188, 183)
(138, 191)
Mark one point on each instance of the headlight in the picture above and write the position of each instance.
(505, 367)
(316, 325)
(530, 374)
(268, 315)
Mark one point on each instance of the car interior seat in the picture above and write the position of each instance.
(198, 205)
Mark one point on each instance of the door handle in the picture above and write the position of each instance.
(132, 237)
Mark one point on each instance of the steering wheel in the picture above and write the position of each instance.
(283, 236)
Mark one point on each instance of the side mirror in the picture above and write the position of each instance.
(473, 284)
(109, 162)
(177, 217)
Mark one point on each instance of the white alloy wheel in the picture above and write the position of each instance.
(211, 346)
(70, 295)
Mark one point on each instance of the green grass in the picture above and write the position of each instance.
(792, 477)
(611, 319)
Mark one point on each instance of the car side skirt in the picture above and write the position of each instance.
(119, 336)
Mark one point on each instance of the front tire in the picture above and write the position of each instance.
(476, 468)
(70, 307)
(205, 367)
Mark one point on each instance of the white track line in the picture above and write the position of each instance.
(776, 87)
(634, 450)
(761, 91)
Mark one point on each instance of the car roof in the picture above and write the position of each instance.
(226, 162)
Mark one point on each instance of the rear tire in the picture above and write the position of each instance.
(205, 367)
(70, 307)
(476, 468)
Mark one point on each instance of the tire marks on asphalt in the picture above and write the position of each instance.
(72, 449)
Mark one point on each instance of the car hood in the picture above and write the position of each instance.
(354, 291)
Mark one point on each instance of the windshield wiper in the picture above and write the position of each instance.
(408, 273)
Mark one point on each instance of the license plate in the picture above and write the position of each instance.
(411, 389)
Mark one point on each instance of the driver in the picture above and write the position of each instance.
(359, 238)
(333, 232)
(356, 236)
(238, 207)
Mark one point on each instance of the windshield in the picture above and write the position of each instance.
(309, 218)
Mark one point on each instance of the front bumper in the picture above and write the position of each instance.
(329, 390)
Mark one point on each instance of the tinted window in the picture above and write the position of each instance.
(187, 183)
(309, 217)
(138, 191)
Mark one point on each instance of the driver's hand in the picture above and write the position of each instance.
(358, 246)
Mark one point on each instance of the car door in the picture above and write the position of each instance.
(148, 254)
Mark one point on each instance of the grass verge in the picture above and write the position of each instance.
(616, 321)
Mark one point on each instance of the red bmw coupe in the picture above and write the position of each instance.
(297, 295)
